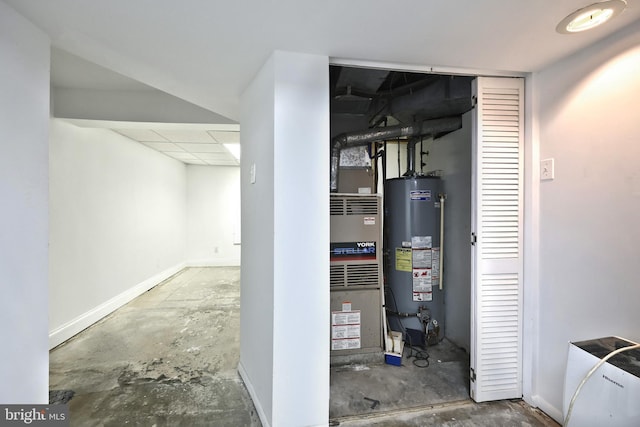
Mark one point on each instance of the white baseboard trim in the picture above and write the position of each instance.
(254, 397)
(214, 262)
(548, 408)
(62, 333)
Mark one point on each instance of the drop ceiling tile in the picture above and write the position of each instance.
(186, 135)
(214, 156)
(141, 135)
(222, 163)
(182, 156)
(195, 162)
(165, 147)
(225, 137)
(202, 148)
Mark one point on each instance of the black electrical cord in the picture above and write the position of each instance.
(379, 154)
(384, 162)
(421, 357)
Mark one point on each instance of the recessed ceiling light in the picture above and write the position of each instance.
(590, 16)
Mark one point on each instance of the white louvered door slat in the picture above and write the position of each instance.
(496, 331)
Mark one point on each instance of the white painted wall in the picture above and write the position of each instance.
(130, 105)
(451, 154)
(589, 230)
(285, 258)
(24, 122)
(396, 151)
(256, 279)
(117, 223)
(213, 215)
(301, 276)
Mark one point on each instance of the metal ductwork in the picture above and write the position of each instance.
(431, 127)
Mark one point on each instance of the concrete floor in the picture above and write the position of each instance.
(456, 414)
(444, 380)
(169, 358)
(409, 395)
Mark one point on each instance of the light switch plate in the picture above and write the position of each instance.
(252, 173)
(547, 171)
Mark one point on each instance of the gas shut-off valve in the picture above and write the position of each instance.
(430, 326)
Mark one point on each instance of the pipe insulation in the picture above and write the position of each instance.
(354, 139)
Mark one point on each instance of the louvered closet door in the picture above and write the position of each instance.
(496, 330)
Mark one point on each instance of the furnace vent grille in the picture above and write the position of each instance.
(336, 206)
(362, 274)
(337, 274)
(354, 275)
(354, 206)
(362, 206)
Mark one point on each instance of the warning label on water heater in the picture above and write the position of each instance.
(421, 258)
(435, 266)
(422, 284)
(421, 242)
(403, 259)
(422, 271)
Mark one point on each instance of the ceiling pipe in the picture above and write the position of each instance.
(354, 139)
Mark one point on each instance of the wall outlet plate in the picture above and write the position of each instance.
(547, 171)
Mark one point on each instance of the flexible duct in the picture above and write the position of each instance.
(354, 139)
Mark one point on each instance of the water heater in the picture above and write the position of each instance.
(412, 208)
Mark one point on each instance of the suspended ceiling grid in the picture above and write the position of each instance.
(191, 146)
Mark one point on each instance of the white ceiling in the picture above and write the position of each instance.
(72, 72)
(189, 145)
(206, 52)
(195, 144)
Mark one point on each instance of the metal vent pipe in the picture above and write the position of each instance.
(354, 139)
(411, 157)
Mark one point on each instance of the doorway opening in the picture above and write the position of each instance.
(412, 165)
(404, 141)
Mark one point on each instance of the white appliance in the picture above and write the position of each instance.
(611, 396)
